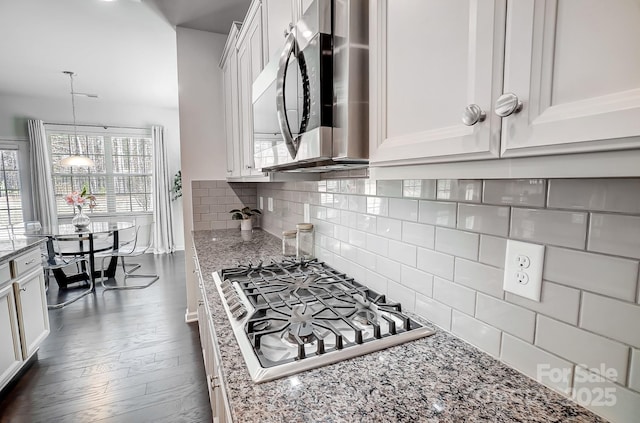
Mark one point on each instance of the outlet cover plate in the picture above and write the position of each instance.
(515, 273)
(270, 204)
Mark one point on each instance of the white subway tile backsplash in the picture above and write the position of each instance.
(493, 250)
(389, 228)
(457, 243)
(389, 189)
(492, 220)
(377, 245)
(615, 234)
(557, 301)
(476, 333)
(434, 311)
(365, 223)
(436, 263)
(348, 251)
(512, 319)
(582, 347)
(358, 203)
(341, 233)
(454, 295)
(611, 318)
(388, 268)
(403, 295)
(418, 234)
(515, 192)
(465, 190)
(366, 258)
(634, 373)
(478, 276)
(537, 364)
(378, 206)
(402, 252)
(566, 229)
(611, 195)
(606, 275)
(376, 281)
(419, 188)
(357, 238)
(437, 213)
(588, 386)
(403, 209)
(419, 281)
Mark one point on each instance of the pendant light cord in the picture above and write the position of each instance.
(73, 111)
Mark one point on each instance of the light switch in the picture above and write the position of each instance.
(270, 204)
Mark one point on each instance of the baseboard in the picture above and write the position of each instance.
(190, 317)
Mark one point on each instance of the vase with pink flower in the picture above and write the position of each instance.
(80, 200)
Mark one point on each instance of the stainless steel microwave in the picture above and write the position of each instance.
(310, 107)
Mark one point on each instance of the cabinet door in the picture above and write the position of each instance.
(231, 112)
(575, 66)
(32, 311)
(431, 59)
(278, 14)
(249, 66)
(10, 353)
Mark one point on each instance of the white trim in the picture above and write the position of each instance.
(589, 165)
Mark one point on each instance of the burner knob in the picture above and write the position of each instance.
(239, 313)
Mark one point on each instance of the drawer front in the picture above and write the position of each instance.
(5, 273)
(26, 262)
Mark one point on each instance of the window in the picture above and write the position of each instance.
(10, 195)
(122, 179)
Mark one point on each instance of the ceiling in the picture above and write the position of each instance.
(204, 15)
(124, 50)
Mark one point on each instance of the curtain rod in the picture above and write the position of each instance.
(96, 126)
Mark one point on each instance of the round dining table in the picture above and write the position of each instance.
(100, 236)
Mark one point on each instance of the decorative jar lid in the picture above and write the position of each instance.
(289, 234)
(305, 227)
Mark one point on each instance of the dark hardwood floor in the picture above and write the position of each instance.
(117, 356)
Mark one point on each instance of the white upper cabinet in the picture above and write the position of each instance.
(229, 65)
(278, 15)
(552, 77)
(575, 66)
(432, 61)
(250, 63)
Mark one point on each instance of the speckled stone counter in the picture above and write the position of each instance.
(11, 249)
(435, 379)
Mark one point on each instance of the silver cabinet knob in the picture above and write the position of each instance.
(473, 114)
(508, 104)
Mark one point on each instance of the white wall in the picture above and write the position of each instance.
(15, 110)
(202, 134)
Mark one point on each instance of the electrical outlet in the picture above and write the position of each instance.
(307, 213)
(261, 203)
(523, 269)
(270, 204)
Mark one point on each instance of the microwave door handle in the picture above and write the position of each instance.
(281, 107)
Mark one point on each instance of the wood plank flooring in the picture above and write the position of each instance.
(117, 356)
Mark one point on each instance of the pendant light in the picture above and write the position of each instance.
(77, 160)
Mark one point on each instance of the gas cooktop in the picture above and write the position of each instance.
(296, 315)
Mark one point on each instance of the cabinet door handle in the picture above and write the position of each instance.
(473, 114)
(23, 289)
(508, 104)
(29, 262)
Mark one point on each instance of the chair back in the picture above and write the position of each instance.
(136, 239)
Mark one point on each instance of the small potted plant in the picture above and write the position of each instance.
(245, 216)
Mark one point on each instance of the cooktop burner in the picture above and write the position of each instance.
(293, 315)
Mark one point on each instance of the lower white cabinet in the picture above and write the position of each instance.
(211, 355)
(31, 304)
(10, 353)
(24, 319)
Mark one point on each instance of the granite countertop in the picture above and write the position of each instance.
(13, 248)
(437, 379)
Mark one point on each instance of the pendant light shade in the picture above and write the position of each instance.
(75, 160)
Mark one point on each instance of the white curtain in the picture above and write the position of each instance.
(44, 200)
(162, 216)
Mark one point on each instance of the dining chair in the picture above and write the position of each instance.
(133, 242)
(64, 248)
